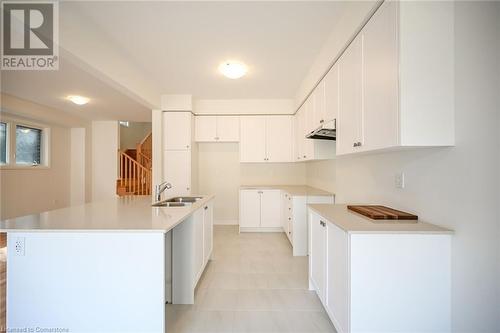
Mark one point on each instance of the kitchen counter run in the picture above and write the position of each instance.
(127, 214)
(356, 223)
(293, 190)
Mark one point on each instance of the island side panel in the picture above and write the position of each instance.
(400, 282)
(87, 282)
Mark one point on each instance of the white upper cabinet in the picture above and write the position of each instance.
(205, 128)
(266, 139)
(177, 130)
(380, 79)
(217, 129)
(319, 113)
(228, 128)
(349, 125)
(253, 139)
(279, 138)
(331, 82)
(391, 95)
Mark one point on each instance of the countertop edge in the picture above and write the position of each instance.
(438, 230)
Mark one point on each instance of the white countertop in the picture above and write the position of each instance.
(356, 223)
(293, 190)
(128, 214)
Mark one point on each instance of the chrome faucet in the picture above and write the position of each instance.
(159, 189)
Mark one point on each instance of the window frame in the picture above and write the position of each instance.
(45, 144)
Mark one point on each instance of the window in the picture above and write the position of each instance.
(3, 143)
(28, 145)
(23, 144)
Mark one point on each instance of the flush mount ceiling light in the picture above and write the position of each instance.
(78, 100)
(233, 69)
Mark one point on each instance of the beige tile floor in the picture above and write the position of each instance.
(253, 284)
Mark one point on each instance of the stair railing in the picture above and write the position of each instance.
(133, 176)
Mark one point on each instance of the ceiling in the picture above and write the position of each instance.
(50, 88)
(177, 47)
(180, 44)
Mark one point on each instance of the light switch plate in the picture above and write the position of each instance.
(399, 180)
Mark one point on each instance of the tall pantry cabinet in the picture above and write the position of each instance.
(178, 151)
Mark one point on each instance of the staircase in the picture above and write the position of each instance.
(135, 169)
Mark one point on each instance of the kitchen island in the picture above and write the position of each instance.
(105, 266)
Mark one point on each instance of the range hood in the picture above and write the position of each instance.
(327, 131)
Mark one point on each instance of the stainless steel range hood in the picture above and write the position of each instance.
(327, 131)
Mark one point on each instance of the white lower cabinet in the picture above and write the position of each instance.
(192, 244)
(260, 210)
(381, 282)
(294, 219)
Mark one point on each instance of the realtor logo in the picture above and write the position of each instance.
(30, 34)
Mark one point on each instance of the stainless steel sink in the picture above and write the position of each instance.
(184, 199)
(177, 202)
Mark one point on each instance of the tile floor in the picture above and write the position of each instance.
(253, 284)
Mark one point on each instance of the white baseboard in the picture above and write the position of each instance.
(226, 222)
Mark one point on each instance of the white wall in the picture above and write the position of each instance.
(77, 166)
(133, 134)
(455, 187)
(105, 139)
(30, 191)
(221, 173)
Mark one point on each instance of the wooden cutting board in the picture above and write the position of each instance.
(376, 212)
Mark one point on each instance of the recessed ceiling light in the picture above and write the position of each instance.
(78, 100)
(233, 69)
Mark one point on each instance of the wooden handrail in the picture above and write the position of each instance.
(135, 177)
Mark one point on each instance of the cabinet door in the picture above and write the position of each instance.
(380, 78)
(208, 230)
(177, 130)
(228, 129)
(308, 144)
(279, 138)
(250, 208)
(253, 139)
(299, 134)
(349, 123)
(270, 209)
(177, 171)
(317, 259)
(205, 128)
(332, 93)
(337, 290)
(319, 115)
(198, 243)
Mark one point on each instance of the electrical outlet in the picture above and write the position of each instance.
(19, 246)
(399, 180)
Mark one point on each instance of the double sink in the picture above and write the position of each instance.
(177, 202)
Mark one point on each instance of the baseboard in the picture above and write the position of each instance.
(256, 229)
(226, 222)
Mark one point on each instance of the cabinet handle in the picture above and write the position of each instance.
(355, 144)
(187, 146)
(305, 156)
(260, 192)
(321, 121)
(359, 144)
(206, 207)
(323, 224)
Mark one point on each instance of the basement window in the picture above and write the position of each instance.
(23, 144)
